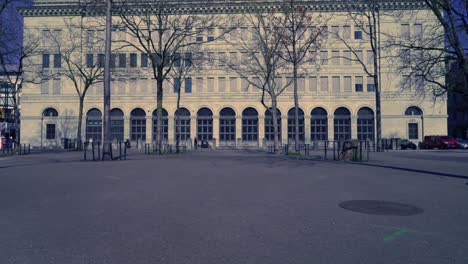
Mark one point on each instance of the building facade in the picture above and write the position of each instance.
(336, 96)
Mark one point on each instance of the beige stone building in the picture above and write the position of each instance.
(336, 96)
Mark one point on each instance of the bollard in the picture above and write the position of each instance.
(360, 150)
(92, 148)
(334, 149)
(99, 150)
(326, 147)
(125, 153)
(120, 150)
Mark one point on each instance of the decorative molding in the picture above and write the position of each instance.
(71, 8)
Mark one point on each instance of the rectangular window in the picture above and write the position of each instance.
(221, 84)
(347, 57)
(89, 60)
(210, 34)
(312, 84)
(233, 84)
(56, 86)
(358, 84)
(113, 60)
(45, 61)
(324, 31)
(144, 60)
(57, 61)
(324, 57)
(418, 32)
(347, 84)
(336, 84)
(324, 84)
(370, 84)
(210, 84)
(211, 59)
(199, 84)
(188, 59)
(370, 57)
(45, 86)
(359, 57)
(90, 37)
(346, 32)
(133, 60)
(176, 85)
(405, 31)
(101, 60)
(357, 34)
(233, 58)
(122, 60)
(300, 84)
(313, 57)
(177, 59)
(50, 131)
(336, 57)
(335, 30)
(188, 85)
(199, 37)
(245, 85)
(413, 132)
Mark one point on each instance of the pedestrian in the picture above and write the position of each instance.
(195, 143)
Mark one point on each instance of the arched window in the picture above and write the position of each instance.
(117, 124)
(50, 112)
(413, 127)
(292, 124)
(204, 124)
(413, 111)
(182, 119)
(94, 125)
(269, 129)
(165, 128)
(342, 124)
(249, 124)
(138, 124)
(227, 124)
(319, 124)
(365, 124)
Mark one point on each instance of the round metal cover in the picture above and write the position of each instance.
(377, 207)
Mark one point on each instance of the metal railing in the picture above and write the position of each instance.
(95, 149)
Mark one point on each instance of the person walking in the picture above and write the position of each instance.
(195, 143)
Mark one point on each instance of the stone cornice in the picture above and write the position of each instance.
(71, 8)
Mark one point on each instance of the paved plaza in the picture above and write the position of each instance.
(214, 207)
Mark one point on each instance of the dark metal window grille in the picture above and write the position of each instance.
(117, 129)
(227, 128)
(94, 128)
(269, 130)
(292, 127)
(184, 127)
(250, 128)
(319, 128)
(365, 128)
(205, 128)
(138, 128)
(165, 127)
(342, 127)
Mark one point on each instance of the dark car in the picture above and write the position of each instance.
(205, 144)
(407, 144)
(463, 143)
(439, 142)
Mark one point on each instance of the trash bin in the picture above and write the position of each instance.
(65, 142)
(205, 144)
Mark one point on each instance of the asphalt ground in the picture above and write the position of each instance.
(231, 207)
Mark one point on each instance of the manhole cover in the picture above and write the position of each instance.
(380, 207)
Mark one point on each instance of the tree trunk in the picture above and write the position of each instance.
(80, 121)
(274, 120)
(296, 109)
(159, 104)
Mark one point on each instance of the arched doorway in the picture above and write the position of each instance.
(117, 124)
(342, 124)
(164, 124)
(319, 124)
(227, 126)
(94, 125)
(204, 124)
(250, 124)
(138, 124)
(365, 124)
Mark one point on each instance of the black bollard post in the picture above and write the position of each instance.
(99, 150)
(326, 148)
(120, 150)
(92, 147)
(125, 152)
(360, 150)
(334, 150)
(84, 150)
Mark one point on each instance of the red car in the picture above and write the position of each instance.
(439, 142)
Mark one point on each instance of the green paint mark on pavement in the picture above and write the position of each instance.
(397, 234)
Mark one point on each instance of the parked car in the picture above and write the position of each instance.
(205, 144)
(463, 143)
(439, 142)
(407, 144)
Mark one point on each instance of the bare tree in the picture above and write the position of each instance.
(302, 33)
(366, 17)
(76, 46)
(160, 31)
(265, 67)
